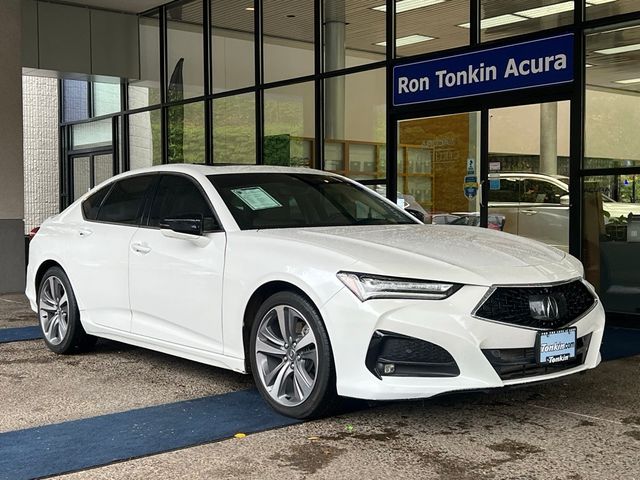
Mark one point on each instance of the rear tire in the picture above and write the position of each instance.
(291, 357)
(59, 315)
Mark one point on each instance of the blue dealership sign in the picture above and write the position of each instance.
(548, 61)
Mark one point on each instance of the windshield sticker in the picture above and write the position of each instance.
(256, 198)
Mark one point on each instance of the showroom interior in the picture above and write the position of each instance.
(111, 86)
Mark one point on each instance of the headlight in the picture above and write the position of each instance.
(366, 286)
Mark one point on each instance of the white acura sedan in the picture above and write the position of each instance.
(317, 285)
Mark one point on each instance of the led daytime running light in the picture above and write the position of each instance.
(366, 287)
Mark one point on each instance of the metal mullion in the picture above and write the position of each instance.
(357, 69)
(475, 19)
(606, 22)
(484, 167)
(576, 144)
(63, 158)
(126, 150)
(258, 53)
(208, 76)
(164, 131)
(232, 93)
(579, 12)
(89, 99)
(92, 170)
(392, 121)
(115, 144)
(124, 131)
(318, 35)
(597, 172)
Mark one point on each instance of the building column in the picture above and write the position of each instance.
(549, 138)
(12, 245)
(335, 26)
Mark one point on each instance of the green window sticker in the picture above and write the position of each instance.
(256, 198)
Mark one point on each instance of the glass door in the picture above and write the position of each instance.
(528, 170)
(439, 168)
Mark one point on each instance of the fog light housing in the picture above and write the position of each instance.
(392, 354)
(389, 369)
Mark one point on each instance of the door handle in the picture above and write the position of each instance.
(529, 212)
(140, 248)
(84, 232)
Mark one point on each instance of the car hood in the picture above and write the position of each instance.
(441, 252)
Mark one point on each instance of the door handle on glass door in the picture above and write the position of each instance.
(140, 248)
(529, 212)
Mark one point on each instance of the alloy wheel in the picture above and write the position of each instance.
(54, 310)
(287, 356)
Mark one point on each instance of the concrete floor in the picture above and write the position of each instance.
(582, 427)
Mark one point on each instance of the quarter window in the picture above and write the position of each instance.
(91, 205)
(125, 201)
(179, 197)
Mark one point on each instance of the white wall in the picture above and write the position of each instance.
(517, 129)
(40, 130)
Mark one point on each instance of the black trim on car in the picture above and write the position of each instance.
(395, 355)
(516, 363)
(143, 217)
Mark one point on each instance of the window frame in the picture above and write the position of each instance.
(152, 197)
(110, 185)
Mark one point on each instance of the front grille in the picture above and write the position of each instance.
(514, 363)
(511, 305)
(410, 357)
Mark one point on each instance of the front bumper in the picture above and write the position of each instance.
(447, 323)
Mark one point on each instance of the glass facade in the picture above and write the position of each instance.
(289, 125)
(307, 84)
(234, 129)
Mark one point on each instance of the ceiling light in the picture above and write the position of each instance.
(496, 21)
(547, 10)
(629, 81)
(406, 5)
(408, 40)
(249, 9)
(626, 48)
(598, 2)
(588, 65)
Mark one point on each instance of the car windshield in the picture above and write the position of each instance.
(288, 200)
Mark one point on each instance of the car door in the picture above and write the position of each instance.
(542, 216)
(504, 201)
(99, 268)
(176, 283)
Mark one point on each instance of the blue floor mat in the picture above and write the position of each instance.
(91, 442)
(20, 334)
(620, 342)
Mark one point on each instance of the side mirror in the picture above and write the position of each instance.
(187, 226)
(564, 200)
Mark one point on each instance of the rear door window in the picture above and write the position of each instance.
(125, 201)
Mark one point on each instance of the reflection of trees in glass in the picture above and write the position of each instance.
(234, 129)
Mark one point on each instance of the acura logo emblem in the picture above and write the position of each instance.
(546, 307)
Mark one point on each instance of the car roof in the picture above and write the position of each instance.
(202, 169)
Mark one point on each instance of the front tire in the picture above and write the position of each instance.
(59, 315)
(291, 357)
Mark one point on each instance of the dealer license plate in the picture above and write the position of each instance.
(557, 346)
